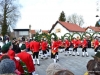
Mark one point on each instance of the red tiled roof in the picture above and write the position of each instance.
(45, 31)
(69, 26)
(33, 32)
(96, 29)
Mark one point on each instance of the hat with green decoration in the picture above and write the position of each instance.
(97, 56)
(23, 47)
(9, 44)
(5, 48)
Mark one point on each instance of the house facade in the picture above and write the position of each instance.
(18, 33)
(61, 28)
(93, 30)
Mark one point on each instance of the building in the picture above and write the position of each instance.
(93, 30)
(21, 32)
(60, 28)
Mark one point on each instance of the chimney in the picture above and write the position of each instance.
(68, 21)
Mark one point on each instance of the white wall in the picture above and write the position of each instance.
(63, 31)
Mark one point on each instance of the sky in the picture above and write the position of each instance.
(42, 14)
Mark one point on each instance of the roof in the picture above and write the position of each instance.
(21, 29)
(43, 31)
(69, 26)
(96, 29)
(33, 32)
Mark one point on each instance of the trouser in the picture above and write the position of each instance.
(96, 49)
(75, 49)
(84, 50)
(36, 54)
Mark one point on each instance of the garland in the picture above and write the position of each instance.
(24, 68)
(69, 37)
(84, 34)
(76, 33)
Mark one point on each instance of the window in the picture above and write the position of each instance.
(23, 32)
(58, 30)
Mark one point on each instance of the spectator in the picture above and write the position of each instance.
(93, 66)
(7, 66)
(53, 68)
(64, 72)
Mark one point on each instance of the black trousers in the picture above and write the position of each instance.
(84, 49)
(75, 49)
(44, 52)
(35, 54)
(96, 49)
(67, 49)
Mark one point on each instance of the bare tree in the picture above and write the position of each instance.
(76, 19)
(9, 14)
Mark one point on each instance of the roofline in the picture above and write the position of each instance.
(64, 27)
(21, 29)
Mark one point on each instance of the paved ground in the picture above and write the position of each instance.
(76, 64)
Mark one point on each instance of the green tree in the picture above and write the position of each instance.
(97, 23)
(62, 17)
(9, 14)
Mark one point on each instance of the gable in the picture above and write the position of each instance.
(89, 30)
(59, 29)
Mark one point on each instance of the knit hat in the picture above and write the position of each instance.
(5, 48)
(23, 46)
(53, 68)
(7, 66)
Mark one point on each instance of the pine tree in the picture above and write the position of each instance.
(97, 24)
(62, 17)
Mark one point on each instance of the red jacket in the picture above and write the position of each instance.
(36, 46)
(60, 42)
(84, 43)
(31, 45)
(27, 44)
(44, 45)
(67, 43)
(27, 59)
(96, 43)
(54, 46)
(19, 67)
(75, 43)
(79, 42)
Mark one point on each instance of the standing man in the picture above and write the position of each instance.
(27, 59)
(67, 46)
(96, 45)
(35, 46)
(84, 46)
(44, 46)
(75, 45)
(54, 49)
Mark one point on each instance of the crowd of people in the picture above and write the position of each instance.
(24, 53)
